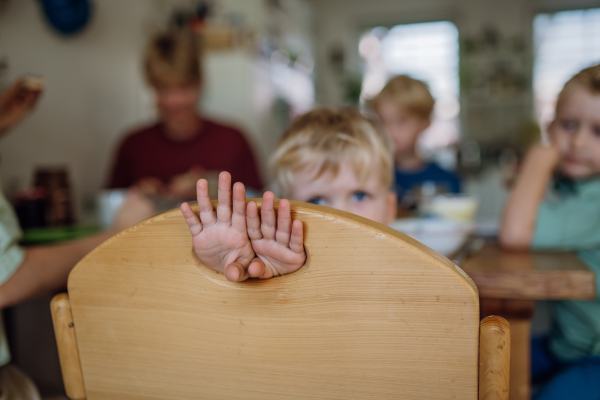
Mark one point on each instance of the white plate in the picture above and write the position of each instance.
(443, 236)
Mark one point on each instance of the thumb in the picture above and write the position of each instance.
(236, 272)
(258, 269)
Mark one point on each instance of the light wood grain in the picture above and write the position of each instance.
(494, 367)
(372, 315)
(520, 359)
(519, 314)
(530, 275)
(67, 346)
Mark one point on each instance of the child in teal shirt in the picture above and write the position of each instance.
(567, 218)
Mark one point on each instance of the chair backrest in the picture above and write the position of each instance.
(372, 315)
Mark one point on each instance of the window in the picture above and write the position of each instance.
(425, 51)
(565, 43)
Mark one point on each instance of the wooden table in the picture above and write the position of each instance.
(510, 282)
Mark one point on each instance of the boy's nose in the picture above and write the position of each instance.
(580, 139)
(342, 205)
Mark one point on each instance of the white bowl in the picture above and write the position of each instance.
(443, 236)
(458, 207)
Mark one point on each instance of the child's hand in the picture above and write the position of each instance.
(135, 209)
(278, 243)
(544, 156)
(221, 241)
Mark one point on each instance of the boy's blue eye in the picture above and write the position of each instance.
(360, 196)
(317, 200)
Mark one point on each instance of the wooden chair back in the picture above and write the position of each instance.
(372, 315)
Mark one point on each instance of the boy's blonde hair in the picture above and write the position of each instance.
(407, 93)
(172, 57)
(323, 139)
(588, 79)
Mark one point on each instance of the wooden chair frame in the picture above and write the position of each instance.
(103, 298)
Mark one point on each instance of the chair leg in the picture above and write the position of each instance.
(494, 358)
(68, 354)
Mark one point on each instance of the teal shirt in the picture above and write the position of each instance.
(572, 222)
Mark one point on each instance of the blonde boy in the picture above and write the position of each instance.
(168, 156)
(567, 218)
(404, 107)
(327, 157)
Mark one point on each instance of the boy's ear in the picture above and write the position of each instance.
(392, 208)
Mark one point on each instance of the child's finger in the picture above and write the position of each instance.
(267, 216)
(297, 237)
(191, 219)
(253, 222)
(284, 223)
(257, 268)
(207, 216)
(224, 204)
(238, 218)
(235, 272)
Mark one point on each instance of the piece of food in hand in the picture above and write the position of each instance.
(32, 83)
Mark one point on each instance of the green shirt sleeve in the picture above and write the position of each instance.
(571, 222)
(11, 256)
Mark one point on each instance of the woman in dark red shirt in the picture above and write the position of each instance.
(171, 155)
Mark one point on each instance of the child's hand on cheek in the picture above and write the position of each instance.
(545, 156)
(278, 242)
(221, 240)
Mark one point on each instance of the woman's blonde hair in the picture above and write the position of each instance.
(172, 57)
(407, 93)
(323, 139)
(588, 79)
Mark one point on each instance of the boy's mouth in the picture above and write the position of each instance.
(573, 160)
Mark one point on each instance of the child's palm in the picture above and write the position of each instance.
(278, 244)
(220, 239)
(278, 258)
(220, 244)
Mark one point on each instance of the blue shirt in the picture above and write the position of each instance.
(431, 172)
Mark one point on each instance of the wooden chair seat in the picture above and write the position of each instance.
(372, 315)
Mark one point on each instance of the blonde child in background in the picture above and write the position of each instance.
(566, 217)
(333, 158)
(404, 107)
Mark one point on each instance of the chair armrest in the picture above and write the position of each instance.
(64, 330)
(494, 358)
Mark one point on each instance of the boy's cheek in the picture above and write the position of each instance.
(560, 141)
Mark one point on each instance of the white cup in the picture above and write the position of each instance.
(109, 204)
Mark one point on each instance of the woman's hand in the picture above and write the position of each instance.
(134, 210)
(15, 104)
(149, 186)
(183, 186)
